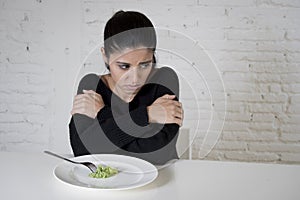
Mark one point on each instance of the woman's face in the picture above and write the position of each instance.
(130, 69)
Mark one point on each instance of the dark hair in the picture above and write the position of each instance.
(128, 29)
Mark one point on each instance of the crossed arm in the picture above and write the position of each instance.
(93, 128)
(164, 109)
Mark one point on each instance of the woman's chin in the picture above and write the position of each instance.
(130, 93)
(131, 90)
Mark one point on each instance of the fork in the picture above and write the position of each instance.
(89, 165)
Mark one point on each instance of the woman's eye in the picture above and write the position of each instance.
(124, 66)
(145, 65)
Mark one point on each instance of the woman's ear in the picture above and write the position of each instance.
(104, 55)
(105, 59)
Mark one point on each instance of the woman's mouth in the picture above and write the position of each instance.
(132, 87)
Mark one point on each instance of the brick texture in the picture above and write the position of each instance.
(254, 43)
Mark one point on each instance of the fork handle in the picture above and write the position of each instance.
(58, 156)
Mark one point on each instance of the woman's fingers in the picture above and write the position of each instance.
(182, 114)
(178, 121)
(172, 113)
(91, 92)
(166, 109)
(165, 98)
(88, 91)
(76, 110)
(178, 113)
(88, 97)
(80, 99)
(176, 103)
(80, 106)
(168, 96)
(178, 117)
(94, 95)
(89, 103)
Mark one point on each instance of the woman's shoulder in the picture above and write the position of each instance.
(89, 77)
(88, 82)
(166, 79)
(166, 74)
(166, 70)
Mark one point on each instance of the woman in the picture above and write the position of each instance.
(134, 109)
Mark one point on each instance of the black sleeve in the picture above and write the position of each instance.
(104, 135)
(168, 81)
(82, 122)
(88, 135)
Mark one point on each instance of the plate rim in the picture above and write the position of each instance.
(84, 185)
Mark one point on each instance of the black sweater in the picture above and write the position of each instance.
(123, 128)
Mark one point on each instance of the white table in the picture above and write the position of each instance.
(30, 176)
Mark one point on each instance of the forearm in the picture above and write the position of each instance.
(158, 138)
(105, 135)
(86, 136)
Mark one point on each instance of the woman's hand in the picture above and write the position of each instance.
(89, 103)
(165, 110)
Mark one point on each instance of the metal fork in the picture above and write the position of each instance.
(89, 165)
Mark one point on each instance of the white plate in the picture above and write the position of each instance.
(133, 172)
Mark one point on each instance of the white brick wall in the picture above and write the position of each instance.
(37, 73)
(255, 44)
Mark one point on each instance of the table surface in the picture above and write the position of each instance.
(30, 176)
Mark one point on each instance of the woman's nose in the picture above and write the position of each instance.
(134, 75)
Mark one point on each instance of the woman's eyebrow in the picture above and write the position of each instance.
(144, 62)
(123, 63)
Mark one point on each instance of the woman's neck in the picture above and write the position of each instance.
(116, 90)
(125, 97)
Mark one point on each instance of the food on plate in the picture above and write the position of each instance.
(103, 172)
